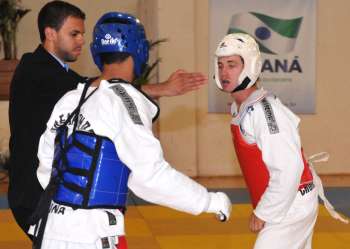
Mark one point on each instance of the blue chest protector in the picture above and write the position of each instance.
(89, 172)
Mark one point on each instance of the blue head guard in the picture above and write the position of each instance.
(120, 32)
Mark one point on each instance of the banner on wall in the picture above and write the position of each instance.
(286, 34)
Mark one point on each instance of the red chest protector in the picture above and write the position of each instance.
(254, 170)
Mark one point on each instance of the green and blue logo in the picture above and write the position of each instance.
(274, 35)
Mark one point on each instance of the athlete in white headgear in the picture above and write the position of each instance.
(267, 144)
(99, 142)
(244, 46)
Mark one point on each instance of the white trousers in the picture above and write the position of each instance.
(55, 244)
(59, 244)
(296, 229)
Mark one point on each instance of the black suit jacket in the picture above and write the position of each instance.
(38, 83)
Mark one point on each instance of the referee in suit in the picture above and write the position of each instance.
(40, 80)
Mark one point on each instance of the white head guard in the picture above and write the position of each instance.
(247, 48)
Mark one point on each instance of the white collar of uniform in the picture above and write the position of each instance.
(82, 85)
(253, 98)
(108, 84)
(103, 84)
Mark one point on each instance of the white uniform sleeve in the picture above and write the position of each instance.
(151, 177)
(45, 155)
(281, 153)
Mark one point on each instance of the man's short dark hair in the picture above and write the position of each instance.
(54, 14)
(116, 57)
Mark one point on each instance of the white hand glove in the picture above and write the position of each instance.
(220, 204)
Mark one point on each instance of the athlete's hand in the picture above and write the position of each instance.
(178, 83)
(221, 205)
(181, 82)
(255, 223)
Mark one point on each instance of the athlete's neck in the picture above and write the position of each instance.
(124, 70)
(242, 95)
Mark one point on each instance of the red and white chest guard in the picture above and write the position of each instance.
(255, 172)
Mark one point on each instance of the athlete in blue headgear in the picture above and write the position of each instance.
(99, 142)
